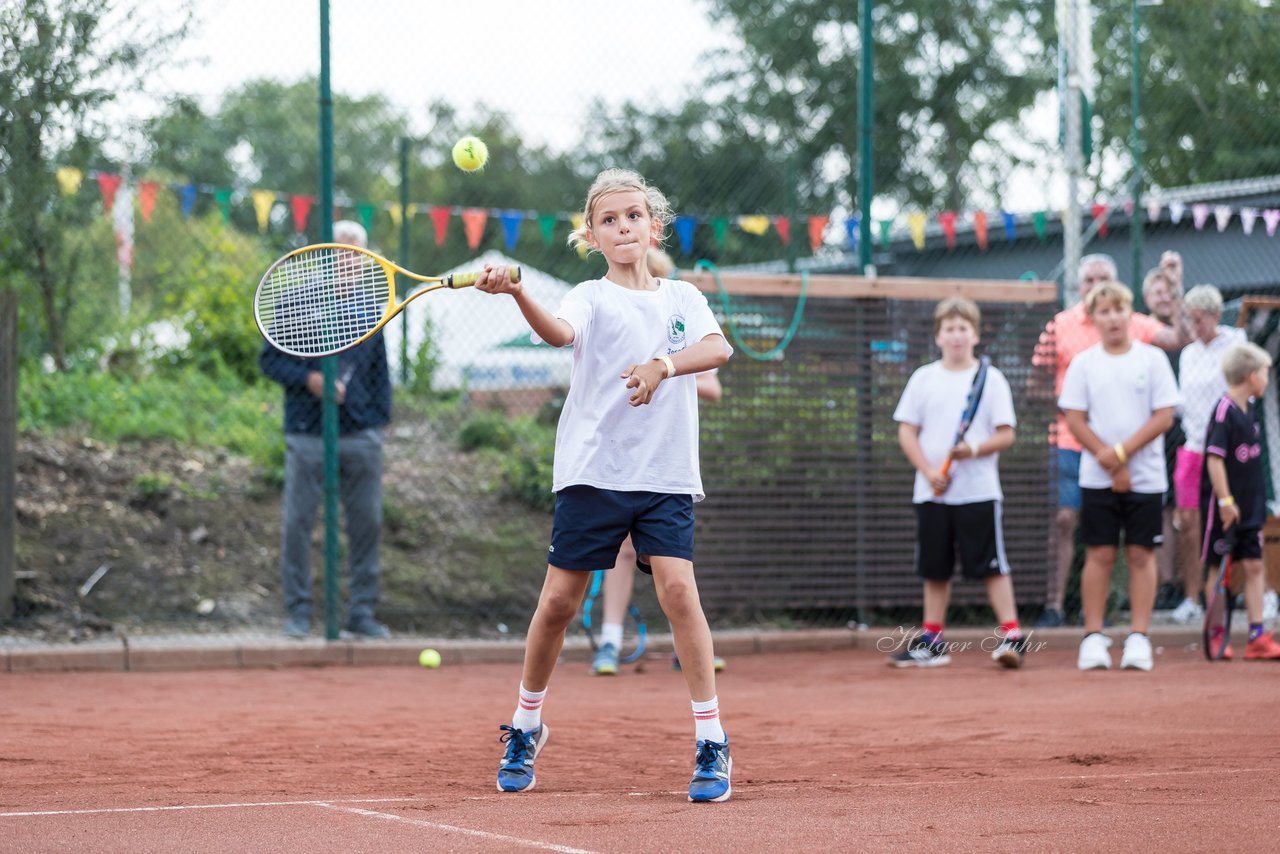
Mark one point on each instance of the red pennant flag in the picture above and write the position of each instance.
(948, 221)
(301, 207)
(108, 184)
(440, 219)
(980, 229)
(1100, 217)
(473, 220)
(783, 226)
(817, 225)
(147, 198)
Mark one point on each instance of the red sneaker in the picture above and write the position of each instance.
(1263, 648)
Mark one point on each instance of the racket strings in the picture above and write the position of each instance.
(320, 301)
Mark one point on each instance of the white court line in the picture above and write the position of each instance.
(466, 831)
(205, 807)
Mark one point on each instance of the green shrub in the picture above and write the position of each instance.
(487, 430)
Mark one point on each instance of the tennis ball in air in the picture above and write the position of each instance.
(470, 154)
(429, 659)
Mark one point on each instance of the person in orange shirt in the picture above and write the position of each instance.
(1070, 333)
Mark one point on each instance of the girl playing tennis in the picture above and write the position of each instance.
(626, 459)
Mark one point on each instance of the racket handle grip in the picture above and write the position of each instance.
(944, 471)
(466, 280)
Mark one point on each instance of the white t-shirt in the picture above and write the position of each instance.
(604, 441)
(1119, 393)
(1202, 383)
(934, 400)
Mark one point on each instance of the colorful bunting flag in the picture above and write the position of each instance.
(886, 225)
(1153, 210)
(754, 224)
(916, 222)
(980, 229)
(1038, 220)
(186, 198)
(397, 214)
(301, 207)
(1099, 211)
(1248, 216)
(1199, 216)
(473, 222)
(263, 202)
(1221, 216)
(547, 225)
(440, 215)
(947, 219)
(576, 221)
(1010, 225)
(109, 185)
(852, 232)
(1271, 218)
(1176, 210)
(684, 230)
(817, 225)
(222, 197)
(364, 211)
(69, 178)
(511, 222)
(147, 198)
(782, 225)
(720, 228)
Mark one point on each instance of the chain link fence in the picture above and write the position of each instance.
(152, 470)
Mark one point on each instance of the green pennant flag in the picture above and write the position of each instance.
(365, 211)
(223, 197)
(547, 223)
(721, 227)
(885, 225)
(1038, 219)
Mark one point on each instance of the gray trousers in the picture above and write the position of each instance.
(360, 490)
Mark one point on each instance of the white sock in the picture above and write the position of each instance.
(611, 633)
(706, 720)
(528, 714)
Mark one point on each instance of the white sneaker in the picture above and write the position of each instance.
(1270, 607)
(1137, 653)
(1187, 613)
(1095, 652)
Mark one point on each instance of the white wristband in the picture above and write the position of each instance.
(974, 447)
(671, 366)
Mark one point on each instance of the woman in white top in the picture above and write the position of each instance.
(1202, 385)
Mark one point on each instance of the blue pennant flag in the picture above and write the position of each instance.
(187, 199)
(684, 230)
(852, 230)
(1010, 225)
(511, 227)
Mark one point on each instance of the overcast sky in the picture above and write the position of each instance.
(539, 61)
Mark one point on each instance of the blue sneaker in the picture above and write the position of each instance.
(515, 774)
(711, 768)
(605, 662)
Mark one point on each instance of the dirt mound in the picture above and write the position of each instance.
(145, 537)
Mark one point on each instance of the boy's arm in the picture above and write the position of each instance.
(909, 441)
(496, 279)
(1000, 440)
(1228, 510)
(1157, 425)
(1078, 423)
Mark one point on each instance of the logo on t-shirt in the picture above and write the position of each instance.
(675, 329)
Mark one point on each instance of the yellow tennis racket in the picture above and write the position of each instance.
(329, 297)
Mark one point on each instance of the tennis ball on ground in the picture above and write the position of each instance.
(470, 154)
(429, 659)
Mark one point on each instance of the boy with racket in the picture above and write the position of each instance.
(1119, 397)
(957, 485)
(626, 459)
(1234, 490)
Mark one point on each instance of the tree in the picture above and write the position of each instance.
(60, 63)
(946, 76)
(1210, 84)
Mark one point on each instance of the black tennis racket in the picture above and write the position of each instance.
(1218, 608)
(970, 409)
(634, 627)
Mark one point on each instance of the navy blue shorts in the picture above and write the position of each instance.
(590, 525)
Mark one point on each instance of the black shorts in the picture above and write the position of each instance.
(590, 525)
(974, 533)
(1248, 543)
(1105, 515)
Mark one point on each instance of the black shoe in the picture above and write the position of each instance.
(920, 653)
(1169, 596)
(1050, 618)
(366, 628)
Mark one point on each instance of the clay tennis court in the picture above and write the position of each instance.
(832, 750)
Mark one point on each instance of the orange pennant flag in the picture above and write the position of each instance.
(980, 229)
(473, 220)
(817, 225)
(147, 198)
